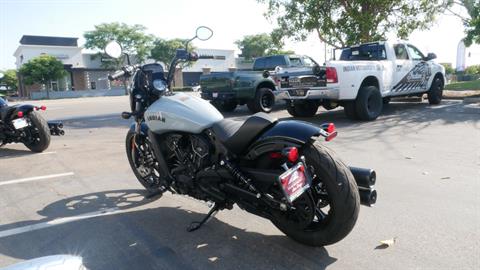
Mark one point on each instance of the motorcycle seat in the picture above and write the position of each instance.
(237, 135)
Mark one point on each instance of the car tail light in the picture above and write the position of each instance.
(20, 114)
(331, 74)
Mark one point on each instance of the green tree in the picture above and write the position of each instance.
(448, 68)
(471, 21)
(473, 70)
(341, 23)
(258, 45)
(42, 69)
(132, 38)
(10, 79)
(164, 50)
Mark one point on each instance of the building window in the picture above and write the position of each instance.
(93, 85)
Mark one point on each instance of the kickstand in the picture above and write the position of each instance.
(197, 224)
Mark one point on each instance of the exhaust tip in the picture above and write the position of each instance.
(368, 197)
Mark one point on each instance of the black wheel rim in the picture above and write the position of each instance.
(267, 101)
(144, 162)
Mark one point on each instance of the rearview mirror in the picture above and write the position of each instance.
(204, 33)
(1, 75)
(430, 56)
(113, 49)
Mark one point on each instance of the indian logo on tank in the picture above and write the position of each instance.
(155, 116)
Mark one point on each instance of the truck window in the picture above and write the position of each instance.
(415, 53)
(295, 62)
(308, 62)
(259, 64)
(364, 52)
(400, 52)
(273, 61)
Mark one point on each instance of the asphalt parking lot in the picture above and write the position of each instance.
(80, 197)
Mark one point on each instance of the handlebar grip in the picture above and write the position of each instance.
(206, 57)
(116, 75)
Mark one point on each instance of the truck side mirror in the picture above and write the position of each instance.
(430, 56)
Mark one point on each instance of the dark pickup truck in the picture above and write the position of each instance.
(255, 88)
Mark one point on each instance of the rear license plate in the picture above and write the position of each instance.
(214, 95)
(295, 181)
(20, 123)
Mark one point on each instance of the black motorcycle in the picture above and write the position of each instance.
(278, 170)
(23, 124)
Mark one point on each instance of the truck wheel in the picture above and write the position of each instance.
(349, 110)
(225, 105)
(329, 105)
(436, 91)
(303, 109)
(263, 101)
(369, 103)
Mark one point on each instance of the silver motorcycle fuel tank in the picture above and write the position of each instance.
(181, 112)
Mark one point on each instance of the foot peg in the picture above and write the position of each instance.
(198, 224)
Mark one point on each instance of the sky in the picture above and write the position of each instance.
(229, 19)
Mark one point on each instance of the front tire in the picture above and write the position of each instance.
(333, 178)
(263, 102)
(39, 132)
(142, 161)
(436, 92)
(369, 103)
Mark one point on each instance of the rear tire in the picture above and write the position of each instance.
(329, 105)
(225, 105)
(263, 102)
(42, 140)
(343, 197)
(436, 92)
(369, 103)
(303, 109)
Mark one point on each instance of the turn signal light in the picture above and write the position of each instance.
(43, 108)
(330, 128)
(20, 114)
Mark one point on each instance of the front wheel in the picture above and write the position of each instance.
(142, 161)
(436, 92)
(328, 211)
(39, 138)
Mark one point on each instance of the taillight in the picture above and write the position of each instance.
(330, 128)
(43, 108)
(331, 74)
(20, 114)
(292, 154)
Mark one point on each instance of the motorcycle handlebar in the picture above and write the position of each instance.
(126, 71)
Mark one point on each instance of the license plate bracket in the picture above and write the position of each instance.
(295, 181)
(20, 123)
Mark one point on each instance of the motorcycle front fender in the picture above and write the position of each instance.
(281, 135)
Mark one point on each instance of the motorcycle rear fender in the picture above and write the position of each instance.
(25, 108)
(283, 134)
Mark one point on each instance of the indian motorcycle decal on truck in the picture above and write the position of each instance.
(417, 78)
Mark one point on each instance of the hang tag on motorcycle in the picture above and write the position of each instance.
(295, 181)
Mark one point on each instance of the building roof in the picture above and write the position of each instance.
(49, 41)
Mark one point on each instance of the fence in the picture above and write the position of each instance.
(77, 94)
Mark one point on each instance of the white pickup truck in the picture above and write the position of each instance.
(363, 80)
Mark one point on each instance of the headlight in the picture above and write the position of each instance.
(159, 85)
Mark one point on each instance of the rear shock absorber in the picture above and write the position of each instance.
(239, 176)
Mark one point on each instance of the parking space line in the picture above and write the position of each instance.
(59, 221)
(29, 179)
(28, 155)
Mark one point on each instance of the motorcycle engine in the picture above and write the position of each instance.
(188, 155)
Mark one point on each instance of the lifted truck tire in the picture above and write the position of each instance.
(436, 91)
(303, 109)
(369, 103)
(349, 110)
(263, 101)
(225, 106)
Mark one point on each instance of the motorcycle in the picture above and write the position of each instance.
(278, 170)
(23, 124)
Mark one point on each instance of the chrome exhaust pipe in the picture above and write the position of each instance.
(368, 197)
(365, 178)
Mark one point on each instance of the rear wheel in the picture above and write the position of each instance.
(349, 110)
(39, 133)
(263, 101)
(436, 92)
(369, 103)
(303, 109)
(327, 212)
(142, 161)
(329, 105)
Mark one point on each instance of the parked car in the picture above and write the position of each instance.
(363, 80)
(226, 90)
